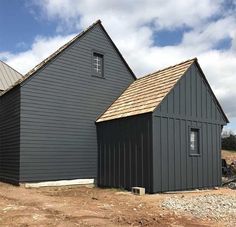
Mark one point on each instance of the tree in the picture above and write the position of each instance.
(228, 141)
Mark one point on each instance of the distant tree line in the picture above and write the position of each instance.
(228, 140)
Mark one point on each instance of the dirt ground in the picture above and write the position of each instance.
(83, 206)
(229, 156)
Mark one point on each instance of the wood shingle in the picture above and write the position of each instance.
(146, 93)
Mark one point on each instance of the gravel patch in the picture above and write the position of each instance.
(217, 207)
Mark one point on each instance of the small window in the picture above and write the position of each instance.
(98, 64)
(194, 141)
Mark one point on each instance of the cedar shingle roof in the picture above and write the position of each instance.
(146, 93)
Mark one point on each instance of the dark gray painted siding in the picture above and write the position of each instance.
(124, 152)
(59, 107)
(192, 99)
(173, 167)
(189, 104)
(10, 136)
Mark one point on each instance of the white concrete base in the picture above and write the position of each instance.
(60, 183)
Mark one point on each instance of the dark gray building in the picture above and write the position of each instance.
(163, 133)
(47, 129)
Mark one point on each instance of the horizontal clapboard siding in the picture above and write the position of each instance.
(189, 105)
(10, 136)
(59, 107)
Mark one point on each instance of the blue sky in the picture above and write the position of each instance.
(161, 32)
(20, 27)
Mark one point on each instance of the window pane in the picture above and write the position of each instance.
(98, 63)
(194, 141)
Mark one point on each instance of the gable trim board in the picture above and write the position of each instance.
(138, 98)
(54, 55)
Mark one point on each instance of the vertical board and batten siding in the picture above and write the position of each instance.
(59, 106)
(124, 152)
(189, 104)
(10, 136)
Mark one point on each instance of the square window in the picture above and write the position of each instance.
(194, 141)
(98, 64)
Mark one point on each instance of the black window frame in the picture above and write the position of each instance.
(94, 73)
(194, 153)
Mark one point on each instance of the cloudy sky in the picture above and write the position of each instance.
(151, 34)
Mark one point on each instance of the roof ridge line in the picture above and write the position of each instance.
(169, 67)
(60, 49)
(50, 57)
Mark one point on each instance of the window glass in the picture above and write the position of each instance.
(194, 141)
(98, 64)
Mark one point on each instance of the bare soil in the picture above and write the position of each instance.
(84, 206)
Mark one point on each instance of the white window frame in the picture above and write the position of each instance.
(194, 139)
(98, 64)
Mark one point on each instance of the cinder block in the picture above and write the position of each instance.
(138, 191)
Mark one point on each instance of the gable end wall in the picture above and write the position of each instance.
(60, 104)
(189, 104)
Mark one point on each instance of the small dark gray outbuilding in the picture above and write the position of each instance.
(163, 133)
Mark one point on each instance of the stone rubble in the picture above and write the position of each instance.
(216, 207)
(232, 185)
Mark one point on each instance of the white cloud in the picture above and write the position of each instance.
(41, 48)
(136, 12)
(5, 55)
(132, 25)
(208, 35)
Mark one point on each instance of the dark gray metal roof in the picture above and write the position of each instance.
(8, 76)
